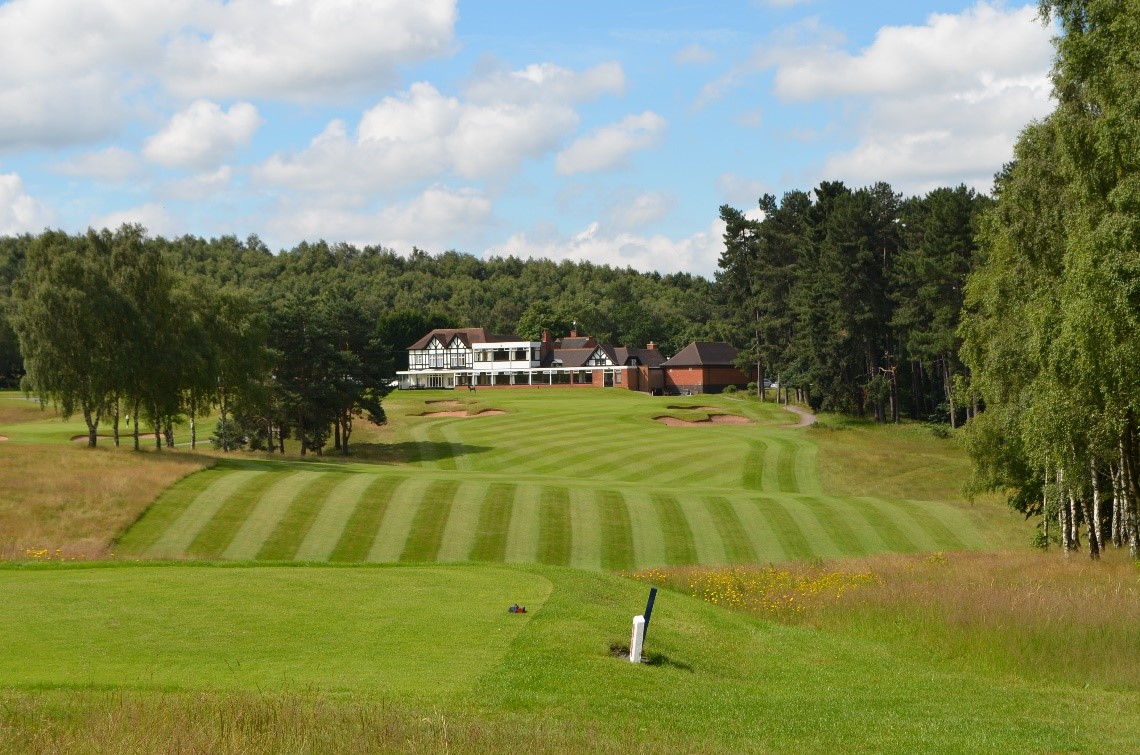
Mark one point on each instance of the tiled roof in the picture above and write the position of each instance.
(579, 342)
(467, 336)
(573, 357)
(705, 354)
(647, 357)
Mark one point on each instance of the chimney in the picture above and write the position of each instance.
(651, 346)
(574, 332)
(547, 347)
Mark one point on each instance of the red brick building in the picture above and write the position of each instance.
(703, 367)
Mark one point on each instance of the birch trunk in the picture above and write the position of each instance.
(1090, 530)
(1063, 513)
(1095, 524)
(1116, 508)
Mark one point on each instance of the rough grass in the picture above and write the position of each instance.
(1034, 615)
(64, 502)
(319, 659)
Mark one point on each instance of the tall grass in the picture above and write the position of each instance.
(66, 502)
(1033, 615)
(219, 723)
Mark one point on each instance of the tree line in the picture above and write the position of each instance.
(852, 297)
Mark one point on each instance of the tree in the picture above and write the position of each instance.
(67, 317)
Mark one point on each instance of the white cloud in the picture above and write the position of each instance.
(697, 253)
(70, 68)
(741, 192)
(19, 212)
(200, 187)
(297, 49)
(951, 52)
(638, 210)
(109, 164)
(546, 81)
(694, 55)
(66, 65)
(435, 220)
(203, 134)
(609, 146)
(151, 216)
(929, 105)
(422, 134)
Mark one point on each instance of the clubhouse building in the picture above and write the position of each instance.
(473, 358)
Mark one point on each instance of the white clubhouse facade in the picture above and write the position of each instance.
(472, 358)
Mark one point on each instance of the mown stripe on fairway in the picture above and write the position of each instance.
(213, 538)
(522, 534)
(290, 532)
(816, 531)
(263, 519)
(339, 507)
(450, 433)
(617, 532)
(648, 537)
(833, 521)
(392, 535)
(931, 516)
(587, 530)
(738, 547)
(771, 481)
(761, 530)
(157, 520)
(885, 525)
(463, 524)
(426, 532)
(442, 449)
(710, 549)
(679, 546)
(555, 533)
(786, 528)
(753, 471)
(176, 538)
(786, 467)
(494, 520)
(360, 531)
(807, 472)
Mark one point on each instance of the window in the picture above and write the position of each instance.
(520, 355)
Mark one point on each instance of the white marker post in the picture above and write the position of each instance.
(636, 640)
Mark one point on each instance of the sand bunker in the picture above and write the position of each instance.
(3, 438)
(484, 413)
(713, 419)
(444, 402)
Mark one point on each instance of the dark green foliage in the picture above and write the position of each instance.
(851, 297)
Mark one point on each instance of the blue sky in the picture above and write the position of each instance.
(587, 130)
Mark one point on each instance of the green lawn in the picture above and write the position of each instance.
(92, 649)
(561, 477)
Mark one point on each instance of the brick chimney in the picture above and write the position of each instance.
(574, 332)
(547, 346)
(651, 346)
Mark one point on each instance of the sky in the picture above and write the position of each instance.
(586, 130)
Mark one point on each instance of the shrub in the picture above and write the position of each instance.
(730, 389)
